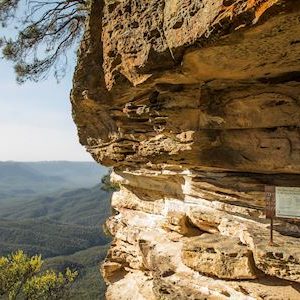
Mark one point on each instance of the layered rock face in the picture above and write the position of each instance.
(196, 106)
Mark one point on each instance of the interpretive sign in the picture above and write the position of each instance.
(282, 202)
(287, 202)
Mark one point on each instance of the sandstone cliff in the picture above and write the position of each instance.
(195, 103)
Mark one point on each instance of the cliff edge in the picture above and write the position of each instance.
(195, 104)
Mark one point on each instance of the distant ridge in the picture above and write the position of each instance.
(25, 180)
(57, 208)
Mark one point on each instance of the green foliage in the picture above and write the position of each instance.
(7, 8)
(20, 275)
(48, 237)
(58, 224)
(89, 283)
(65, 227)
(107, 184)
(15, 270)
(46, 30)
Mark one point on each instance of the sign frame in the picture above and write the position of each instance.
(270, 209)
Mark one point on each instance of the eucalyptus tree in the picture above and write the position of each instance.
(21, 277)
(38, 34)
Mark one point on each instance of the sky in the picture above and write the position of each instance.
(35, 120)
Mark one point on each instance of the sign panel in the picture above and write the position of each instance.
(287, 202)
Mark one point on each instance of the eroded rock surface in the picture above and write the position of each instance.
(220, 256)
(196, 106)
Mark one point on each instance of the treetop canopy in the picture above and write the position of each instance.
(39, 34)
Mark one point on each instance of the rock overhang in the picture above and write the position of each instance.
(241, 85)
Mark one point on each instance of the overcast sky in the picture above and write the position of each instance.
(35, 120)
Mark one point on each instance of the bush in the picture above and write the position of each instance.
(20, 275)
(107, 184)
